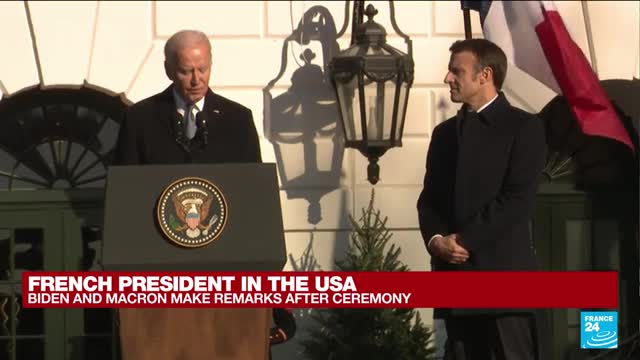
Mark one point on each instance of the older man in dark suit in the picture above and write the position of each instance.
(482, 172)
(187, 122)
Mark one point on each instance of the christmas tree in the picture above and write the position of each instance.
(373, 334)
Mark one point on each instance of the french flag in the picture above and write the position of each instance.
(534, 38)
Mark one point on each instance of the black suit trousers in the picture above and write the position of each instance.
(490, 337)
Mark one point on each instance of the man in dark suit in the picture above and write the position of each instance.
(482, 172)
(187, 122)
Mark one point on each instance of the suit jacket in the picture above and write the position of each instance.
(150, 128)
(482, 184)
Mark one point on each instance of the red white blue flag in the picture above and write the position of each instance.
(534, 38)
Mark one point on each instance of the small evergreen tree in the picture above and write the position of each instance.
(375, 334)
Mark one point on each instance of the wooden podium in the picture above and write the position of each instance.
(252, 239)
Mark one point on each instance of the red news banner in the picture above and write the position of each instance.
(321, 289)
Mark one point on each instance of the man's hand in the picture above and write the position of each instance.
(277, 336)
(449, 249)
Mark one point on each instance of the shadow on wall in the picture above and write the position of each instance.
(302, 123)
(443, 107)
(307, 260)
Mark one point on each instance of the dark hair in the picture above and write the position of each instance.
(488, 54)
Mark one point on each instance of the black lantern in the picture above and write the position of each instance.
(372, 81)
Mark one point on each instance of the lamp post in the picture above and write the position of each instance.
(372, 81)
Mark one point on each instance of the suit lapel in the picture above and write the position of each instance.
(480, 131)
(465, 147)
(214, 116)
(167, 114)
(166, 111)
(213, 112)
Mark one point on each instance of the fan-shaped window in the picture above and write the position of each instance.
(57, 138)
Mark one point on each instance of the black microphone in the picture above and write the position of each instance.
(178, 131)
(203, 130)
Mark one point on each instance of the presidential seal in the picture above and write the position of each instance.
(192, 212)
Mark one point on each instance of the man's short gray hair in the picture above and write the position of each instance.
(182, 39)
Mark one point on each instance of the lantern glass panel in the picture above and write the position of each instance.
(402, 105)
(379, 104)
(389, 96)
(349, 97)
(374, 106)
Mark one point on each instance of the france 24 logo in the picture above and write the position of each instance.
(599, 330)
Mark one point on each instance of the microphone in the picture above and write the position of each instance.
(203, 131)
(178, 130)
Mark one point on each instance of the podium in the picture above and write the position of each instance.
(156, 218)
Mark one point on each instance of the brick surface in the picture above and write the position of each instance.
(418, 117)
(450, 21)
(249, 97)
(315, 250)
(334, 207)
(412, 17)
(219, 18)
(443, 107)
(283, 17)
(399, 166)
(431, 56)
(310, 164)
(245, 62)
(396, 202)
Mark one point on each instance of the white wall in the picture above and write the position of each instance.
(117, 47)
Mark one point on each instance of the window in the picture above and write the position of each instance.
(57, 138)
